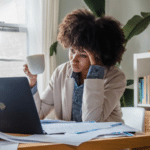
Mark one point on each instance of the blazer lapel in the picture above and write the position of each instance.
(67, 96)
(67, 99)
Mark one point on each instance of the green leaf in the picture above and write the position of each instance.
(129, 82)
(117, 64)
(145, 14)
(96, 6)
(122, 101)
(129, 97)
(136, 25)
(53, 48)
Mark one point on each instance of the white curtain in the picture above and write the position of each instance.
(37, 21)
(42, 24)
(34, 26)
(50, 26)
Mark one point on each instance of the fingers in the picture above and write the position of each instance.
(94, 58)
(25, 65)
(87, 51)
(28, 73)
(26, 70)
(91, 57)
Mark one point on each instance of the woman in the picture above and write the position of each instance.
(89, 86)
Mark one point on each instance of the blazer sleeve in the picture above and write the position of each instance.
(45, 102)
(100, 96)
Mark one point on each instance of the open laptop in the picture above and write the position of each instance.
(18, 113)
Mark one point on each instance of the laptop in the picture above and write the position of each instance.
(18, 113)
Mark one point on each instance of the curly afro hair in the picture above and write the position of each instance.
(102, 36)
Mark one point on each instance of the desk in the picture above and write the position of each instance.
(138, 140)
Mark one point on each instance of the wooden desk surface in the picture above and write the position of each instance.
(139, 140)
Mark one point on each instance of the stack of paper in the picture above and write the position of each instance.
(73, 133)
(6, 145)
(76, 127)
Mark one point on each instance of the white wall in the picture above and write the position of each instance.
(122, 10)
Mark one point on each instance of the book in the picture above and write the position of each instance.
(140, 90)
(148, 89)
(144, 90)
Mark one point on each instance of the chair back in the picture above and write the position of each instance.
(134, 117)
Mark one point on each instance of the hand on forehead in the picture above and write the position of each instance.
(82, 50)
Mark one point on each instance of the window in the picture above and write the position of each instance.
(13, 37)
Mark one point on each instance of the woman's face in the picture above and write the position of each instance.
(79, 60)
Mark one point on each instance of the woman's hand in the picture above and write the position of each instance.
(32, 78)
(93, 61)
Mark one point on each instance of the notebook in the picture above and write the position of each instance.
(18, 113)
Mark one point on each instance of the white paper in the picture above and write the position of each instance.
(68, 138)
(122, 128)
(15, 139)
(74, 127)
(55, 121)
(110, 136)
(6, 145)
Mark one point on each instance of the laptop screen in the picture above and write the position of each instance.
(18, 113)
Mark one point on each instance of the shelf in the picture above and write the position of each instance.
(143, 105)
(141, 69)
(142, 55)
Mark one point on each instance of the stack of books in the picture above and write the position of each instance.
(144, 90)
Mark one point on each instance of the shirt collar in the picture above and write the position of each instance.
(75, 75)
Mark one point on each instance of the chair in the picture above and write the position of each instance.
(134, 117)
(147, 121)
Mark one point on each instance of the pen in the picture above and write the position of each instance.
(113, 125)
(116, 133)
(86, 131)
(125, 133)
(128, 134)
(116, 124)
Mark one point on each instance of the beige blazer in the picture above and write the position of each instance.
(101, 97)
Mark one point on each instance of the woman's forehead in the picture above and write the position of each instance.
(78, 49)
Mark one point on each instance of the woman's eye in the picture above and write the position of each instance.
(84, 56)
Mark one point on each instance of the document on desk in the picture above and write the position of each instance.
(71, 138)
(75, 127)
(50, 121)
(6, 145)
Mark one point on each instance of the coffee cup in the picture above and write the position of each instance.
(36, 63)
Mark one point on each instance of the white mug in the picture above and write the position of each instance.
(36, 63)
